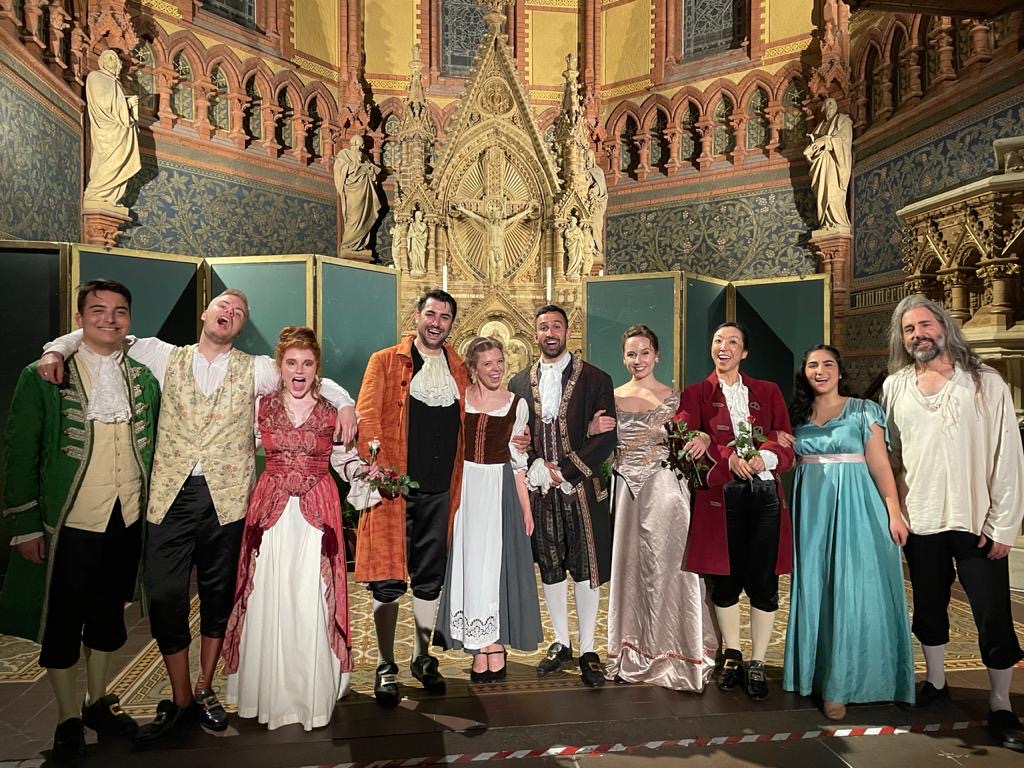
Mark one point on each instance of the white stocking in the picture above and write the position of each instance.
(761, 625)
(97, 665)
(385, 619)
(587, 601)
(999, 681)
(64, 682)
(729, 625)
(935, 664)
(556, 596)
(423, 613)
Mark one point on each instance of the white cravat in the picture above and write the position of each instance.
(434, 384)
(108, 391)
(551, 387)
(737, 400)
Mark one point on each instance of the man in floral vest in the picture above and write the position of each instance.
(76, 472)
(203, 469)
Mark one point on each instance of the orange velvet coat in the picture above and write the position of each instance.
(383, 415)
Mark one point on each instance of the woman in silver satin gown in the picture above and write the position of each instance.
(659, 627)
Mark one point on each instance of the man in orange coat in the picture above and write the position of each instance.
(740, 533)
(412, 403)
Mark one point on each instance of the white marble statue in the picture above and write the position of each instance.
(113, 136)
(597, 194)
(830, 154)
(354, 178)
(575, 246)
(416, 242)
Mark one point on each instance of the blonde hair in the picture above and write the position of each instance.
(237, 294)
(479, 345)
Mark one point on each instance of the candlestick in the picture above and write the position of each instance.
(548, 292)
(444, 278)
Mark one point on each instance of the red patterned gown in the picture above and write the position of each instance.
(287, 649)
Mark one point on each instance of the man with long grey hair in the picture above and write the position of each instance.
(956, 449)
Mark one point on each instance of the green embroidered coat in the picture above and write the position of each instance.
(48, 445)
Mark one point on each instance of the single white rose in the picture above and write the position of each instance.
(374, 446)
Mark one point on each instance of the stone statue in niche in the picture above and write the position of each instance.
(597, 194)
(416, 241)
(830, 155)
(113, 136)
(355, 179)
(575, 238)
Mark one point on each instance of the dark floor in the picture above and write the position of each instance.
(622, 720)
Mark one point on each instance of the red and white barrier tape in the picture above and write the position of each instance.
(562, 750)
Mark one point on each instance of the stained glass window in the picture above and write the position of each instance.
(931, 53)
(757, 120)
(218, 111)
(628, 156)
(900, 73)
(145, 82)
(873, 86)
(712, 25)
(285, 130)
(723, 137)
(689, 138)
(657, 146)
(314, 140)
(253, 110)
(962, 49)
(1001, 30)
(181, 94)
(549, 141)
(794, 121)
(238, 11)
(391, 154)
(462, 27)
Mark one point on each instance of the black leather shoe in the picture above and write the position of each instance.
(928, 694)
(69, 742)
(498, 675)
(591, 670)
(1006, 729)
(385, 686)
(480, 677)
(106, 717)
(731, 676)
(170, 720)
(424, 669)
(210, 711)
(757, 683)
(558, 656)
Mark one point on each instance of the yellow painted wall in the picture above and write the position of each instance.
(316, 29)
(789, 18)
(389, 32)
(551, 36)
(626, 33)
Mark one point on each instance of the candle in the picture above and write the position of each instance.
(548, 292)
(444, 278)
(600, 273)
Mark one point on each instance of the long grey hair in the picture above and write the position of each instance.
(956, 345)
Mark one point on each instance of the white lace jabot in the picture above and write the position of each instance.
(551, 386)
(108, 390)
(434, 384)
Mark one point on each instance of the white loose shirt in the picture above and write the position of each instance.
(959, 453)
(737, 402)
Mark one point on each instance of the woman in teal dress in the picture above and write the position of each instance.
(848, 638)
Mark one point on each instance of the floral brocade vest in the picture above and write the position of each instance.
(216, 431)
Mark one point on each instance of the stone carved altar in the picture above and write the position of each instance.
(496, 203)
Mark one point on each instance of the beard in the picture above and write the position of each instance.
(929, 353)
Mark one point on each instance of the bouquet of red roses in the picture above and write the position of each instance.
(686, 467)
(387, 481)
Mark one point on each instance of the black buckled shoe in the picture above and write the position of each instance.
(424, 669)
(591, 670)
(757, 683)
(558, 656)
(106, 717)
(385, 686)
(210, 711)
(69, 742)
(928, 694)
(1006, 729)
(170, 720)
(731, 676)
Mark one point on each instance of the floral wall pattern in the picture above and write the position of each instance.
(40, 169)
(182, 209)
(743, 235)
(933, 161)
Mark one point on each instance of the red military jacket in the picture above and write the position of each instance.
(707, 549)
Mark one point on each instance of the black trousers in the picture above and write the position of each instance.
(93, 577)
(931, 560)
(426, 548)
(190, 535)
(752, 512)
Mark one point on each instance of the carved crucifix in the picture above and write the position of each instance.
(493, 213)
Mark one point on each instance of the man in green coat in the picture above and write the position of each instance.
(76, 475)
